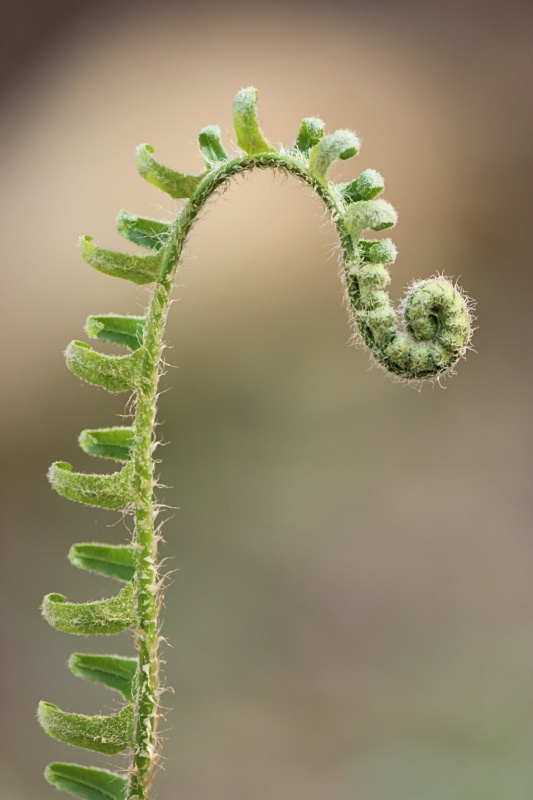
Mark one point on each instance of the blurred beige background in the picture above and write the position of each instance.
(350, 614)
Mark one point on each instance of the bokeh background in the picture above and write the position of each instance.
(350, 613)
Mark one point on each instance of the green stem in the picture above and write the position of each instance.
(146, 576)
(147, 588)
(373, 304)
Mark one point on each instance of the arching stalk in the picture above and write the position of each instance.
(435, 334)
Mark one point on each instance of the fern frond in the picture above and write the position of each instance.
(250, 137)
(112, 561)
(310, 133)
(211, 147)
(341, 144)
(114, 443)
(117, 329)
(109, 616)
(114, 373)
(115, 672)
(106, 734)
(424, 338)
(176, 184)
(89, 783)
(139, 269)
(146, 232)
(104, 491)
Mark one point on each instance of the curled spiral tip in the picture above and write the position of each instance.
(438, 323)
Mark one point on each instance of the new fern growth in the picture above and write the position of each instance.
(423, 340)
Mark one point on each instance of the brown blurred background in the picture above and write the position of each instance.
(350, 616)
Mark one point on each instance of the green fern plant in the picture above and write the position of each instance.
(435, 332)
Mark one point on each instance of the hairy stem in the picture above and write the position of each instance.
(147, 684)
(147, 680)
(147, 588)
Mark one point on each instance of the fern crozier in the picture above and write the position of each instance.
(423, 338)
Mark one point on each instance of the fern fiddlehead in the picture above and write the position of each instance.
(434, 334)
